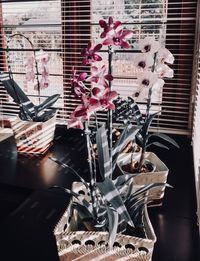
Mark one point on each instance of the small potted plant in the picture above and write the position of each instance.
(152, 63)
(34, 127)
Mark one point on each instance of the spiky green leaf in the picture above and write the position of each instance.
(112, 195)
(165, 137)
(126, 136)
(113, 218)
(105, 165)
(158, 144)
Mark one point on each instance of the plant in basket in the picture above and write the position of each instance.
(106, 217)
(36, 119)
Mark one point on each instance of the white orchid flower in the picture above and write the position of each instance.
(147, 79)
(149, 44)
(164, 55)
(164, 70)
(143, 61)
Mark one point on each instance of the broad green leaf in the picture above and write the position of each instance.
(158, 144)
(136, 111)
(112, 195)
(139, 139)
(146, 125)
(104, 159)
(126, 136)
(165, 137)
(123, 180)
(113, 218)
(101, 217)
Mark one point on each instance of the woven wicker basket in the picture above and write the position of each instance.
(159, 175)
(84, 246)
(33, 137)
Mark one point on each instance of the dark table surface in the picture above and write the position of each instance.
(30, 208)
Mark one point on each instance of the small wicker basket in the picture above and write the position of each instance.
(159, 175)
(84, 245)
(33, 137)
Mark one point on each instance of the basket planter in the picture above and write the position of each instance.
(33, 137)
(159, 175)
(91, 245)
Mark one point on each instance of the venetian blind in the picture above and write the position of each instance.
(40, 22)
(196, 114)
(171, 22)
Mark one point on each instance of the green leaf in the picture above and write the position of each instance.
(126, 136)
(139, 139)
(123, 180)
(105, 165)
(165, 137)
(112, 195)
(158, 144)
(146, 125)
(68, 191)
(113, 219)
(63, 165)
(136, 111)
(83, 211)
(102, 217)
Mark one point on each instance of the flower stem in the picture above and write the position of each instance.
(110, 54)
(92, 174)
(34, 53)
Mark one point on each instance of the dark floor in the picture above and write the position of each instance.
(26, 233)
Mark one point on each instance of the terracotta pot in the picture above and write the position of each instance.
(91, 245)
(159, 175)
(33, 137)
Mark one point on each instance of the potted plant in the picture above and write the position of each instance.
(153, 67)
(35, 125)
(107, 218)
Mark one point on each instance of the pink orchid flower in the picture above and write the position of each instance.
(44, 82)
(80, 114)
(74, 122)
(42, 57)
(77, 84)
(103, 98)
(86, 109)
(99, 75)
(29, 64)
(108, 26)
(89, 54)
(118, 38)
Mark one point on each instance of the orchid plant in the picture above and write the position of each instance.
(40, 58)
(35, 64)
(152, 64)
(111, 207)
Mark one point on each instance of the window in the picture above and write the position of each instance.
(40, 22)
(170, 21)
